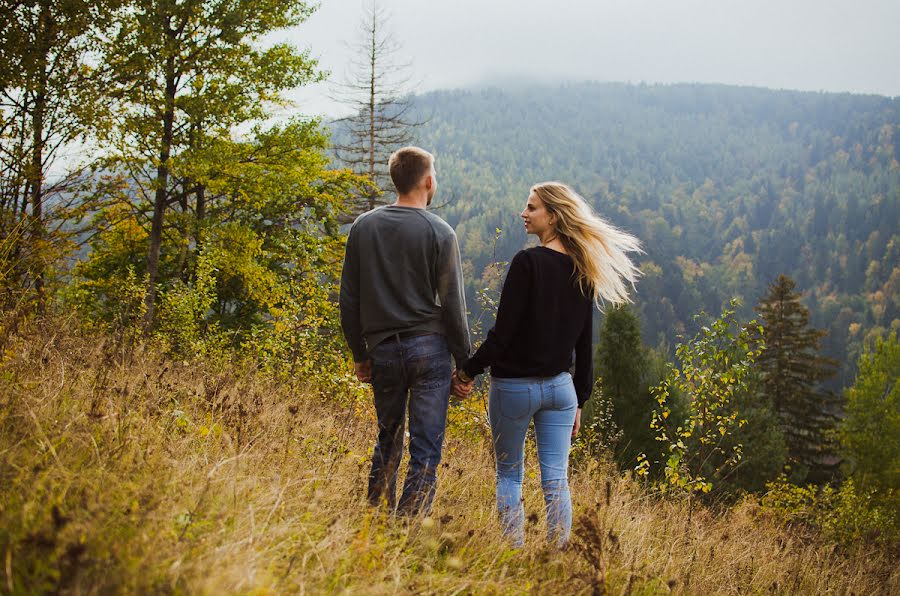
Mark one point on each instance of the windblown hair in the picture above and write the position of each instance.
(408, 166)
(598, 248)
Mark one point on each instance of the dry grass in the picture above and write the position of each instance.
(133, 473)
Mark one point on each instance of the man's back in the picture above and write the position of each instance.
(403, 312)
(402, 274)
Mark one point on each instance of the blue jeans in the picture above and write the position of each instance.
(409, 373)
(552, 403)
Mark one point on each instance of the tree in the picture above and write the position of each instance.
(266, 273)
(715, 368)
(761, 439)
(187, 73)
(48, 99)
(622, 362)
(376, 91)
(791, 369)
(870, 430)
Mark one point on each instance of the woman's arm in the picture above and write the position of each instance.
(513, 303)
(584, 362)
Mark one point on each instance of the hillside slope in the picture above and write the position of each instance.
(123, 471)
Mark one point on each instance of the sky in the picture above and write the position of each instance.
(812, 45)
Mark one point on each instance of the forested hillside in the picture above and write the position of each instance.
(727, 187)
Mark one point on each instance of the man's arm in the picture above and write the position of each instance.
(451, 292)
(350, 302)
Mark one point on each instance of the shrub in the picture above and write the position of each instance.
(715, 367)
(846, 514)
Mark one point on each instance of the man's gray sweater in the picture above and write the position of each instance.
(402, 274)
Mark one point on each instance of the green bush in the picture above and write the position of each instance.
(846, 514)
(714, 374)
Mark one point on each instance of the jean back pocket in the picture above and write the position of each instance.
(515, 402)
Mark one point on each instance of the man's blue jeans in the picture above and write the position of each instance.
(411, 372)
(552, 403)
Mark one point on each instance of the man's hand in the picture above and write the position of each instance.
(363, 371)
(577, 425)
(458, 387)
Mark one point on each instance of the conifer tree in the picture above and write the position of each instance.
(870, 433)
(377, 90)
(621, 364)
(792, 368)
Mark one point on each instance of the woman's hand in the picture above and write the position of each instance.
(577, 424)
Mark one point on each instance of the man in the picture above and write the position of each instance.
(403, 312)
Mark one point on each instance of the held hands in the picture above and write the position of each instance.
(363, 371)
(577, 426)
(458, 387)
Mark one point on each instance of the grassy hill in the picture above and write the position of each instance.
(124, 471)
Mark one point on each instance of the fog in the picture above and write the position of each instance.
(818, 45)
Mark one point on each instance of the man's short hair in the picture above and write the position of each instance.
(408, 166)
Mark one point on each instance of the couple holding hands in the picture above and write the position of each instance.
(403, 314)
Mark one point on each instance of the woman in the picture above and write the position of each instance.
(546, 312)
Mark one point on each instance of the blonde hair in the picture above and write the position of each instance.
(598, 248)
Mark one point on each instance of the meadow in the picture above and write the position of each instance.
(123, 470)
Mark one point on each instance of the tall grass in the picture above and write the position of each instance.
(122, 470)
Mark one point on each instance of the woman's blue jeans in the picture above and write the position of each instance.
(552, 403)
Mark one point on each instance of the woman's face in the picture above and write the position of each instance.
(537, 219)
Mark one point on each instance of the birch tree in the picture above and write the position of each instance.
(187, 73)
(49, 98)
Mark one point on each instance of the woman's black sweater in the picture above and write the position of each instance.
(543, 316)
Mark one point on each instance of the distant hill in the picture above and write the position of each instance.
(726, 186)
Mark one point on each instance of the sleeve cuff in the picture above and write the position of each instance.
(471, 368)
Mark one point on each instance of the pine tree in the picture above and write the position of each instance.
(378, 91)
(792, 368)
(870, 433)
(621, 365)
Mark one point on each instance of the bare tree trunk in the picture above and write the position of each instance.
(378, 95)
(10, 206)
(373, 57)
(20, 178)
(201, 215)
(36, 172)
(161, 196)
(185, 238)
(36, 224)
